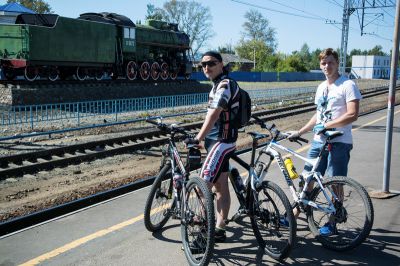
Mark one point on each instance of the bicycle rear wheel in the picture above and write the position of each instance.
(198, 223)
(160, 203)
(354, 216)
(272, 220)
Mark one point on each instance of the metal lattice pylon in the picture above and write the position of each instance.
(345, 36)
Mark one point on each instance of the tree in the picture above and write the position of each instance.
(314, 63)
(377, 50)
(193, 18)
(254, 49)
(293, 63)
(258, 40)
(257, 28)
(227, 49)
(39, 6)
(153, 12)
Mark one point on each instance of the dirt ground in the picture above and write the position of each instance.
(30, 193)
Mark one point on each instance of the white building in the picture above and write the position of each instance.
(370, 66)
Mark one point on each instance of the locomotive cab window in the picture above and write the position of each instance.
(129, 33)
(129, 36)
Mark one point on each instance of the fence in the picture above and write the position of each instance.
(71, 116)
(267, 76)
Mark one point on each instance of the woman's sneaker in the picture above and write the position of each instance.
(328, 229)
(220, 235)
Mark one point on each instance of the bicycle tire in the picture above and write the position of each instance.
(160, 202)
(353, 221)
(268, 206)
(198, 223)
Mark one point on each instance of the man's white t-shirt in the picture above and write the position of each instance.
(332, 103)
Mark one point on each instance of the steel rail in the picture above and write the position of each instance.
(32, 162)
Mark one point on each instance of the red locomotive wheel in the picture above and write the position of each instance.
(164, 71)
(145, 71)
(99, 75)
(155, 71)
(131, 70)
(81, 74)
(53, 73)
(173, 75)
(31, 73)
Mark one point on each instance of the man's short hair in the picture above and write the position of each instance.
(327, 52)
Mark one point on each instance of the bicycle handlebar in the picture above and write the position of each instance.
(168, 128)
(276, 134)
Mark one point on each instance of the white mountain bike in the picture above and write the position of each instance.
(338, 200)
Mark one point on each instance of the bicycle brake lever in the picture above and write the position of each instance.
(298, 142)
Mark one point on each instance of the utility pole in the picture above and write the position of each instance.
(391, 102)
(347, 10)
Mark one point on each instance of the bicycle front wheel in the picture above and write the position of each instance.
(198, 222)
(160, 202)
(272, 220)
(354, 216)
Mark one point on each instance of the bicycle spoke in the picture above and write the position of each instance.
(353, 218)
(271, 211)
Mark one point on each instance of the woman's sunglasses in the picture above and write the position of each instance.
(209, 63)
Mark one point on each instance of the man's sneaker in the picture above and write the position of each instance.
(283, 221)
(328, 229)
(220, 235)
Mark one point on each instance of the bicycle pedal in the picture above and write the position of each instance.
(239, 215)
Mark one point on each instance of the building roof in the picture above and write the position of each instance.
(232, 58)
(15, 7)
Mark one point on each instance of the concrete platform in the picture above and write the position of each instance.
(112, 233)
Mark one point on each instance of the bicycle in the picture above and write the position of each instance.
(174, 194)
(266, 204)
(352, 212)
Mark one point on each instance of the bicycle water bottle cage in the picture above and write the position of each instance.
(331, 134)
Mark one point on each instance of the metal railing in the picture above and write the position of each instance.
(91, 114)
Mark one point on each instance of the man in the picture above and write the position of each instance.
(219, 131)
(337, 100)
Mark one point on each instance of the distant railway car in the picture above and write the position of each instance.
(93, 45)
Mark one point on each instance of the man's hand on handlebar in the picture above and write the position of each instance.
(190, 142)
(293, 135)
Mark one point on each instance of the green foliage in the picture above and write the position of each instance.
(377, 50)
(292, 63)
(257, 28)
(227, 49)
(39, 6)
(254, 50)
(153, 12)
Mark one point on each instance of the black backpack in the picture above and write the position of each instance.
(242, 117)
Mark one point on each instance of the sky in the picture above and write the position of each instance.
(296, 22)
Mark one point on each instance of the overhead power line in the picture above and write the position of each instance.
(314, 17)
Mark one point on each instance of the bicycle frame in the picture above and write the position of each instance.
(176, 161)
(272, 151)
(252, 179)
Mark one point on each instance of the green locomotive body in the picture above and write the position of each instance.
(93, 45)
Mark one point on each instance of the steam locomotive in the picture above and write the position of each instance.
(95, 45)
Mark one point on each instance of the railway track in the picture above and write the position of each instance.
(32, 162)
